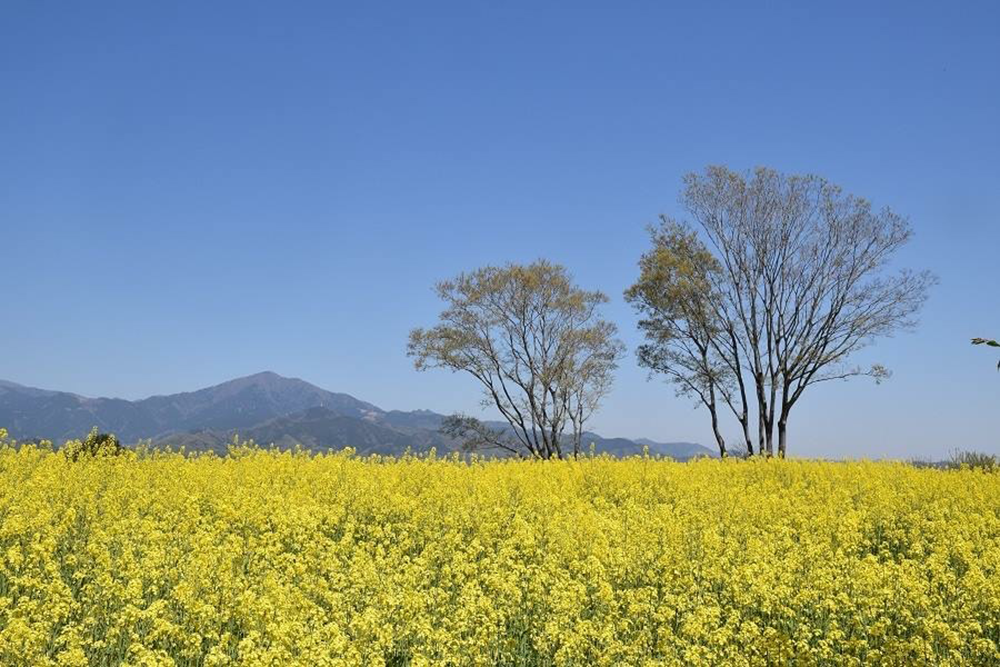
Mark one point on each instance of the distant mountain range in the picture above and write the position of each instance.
(265, 407)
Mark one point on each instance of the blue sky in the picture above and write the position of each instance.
(195, 191)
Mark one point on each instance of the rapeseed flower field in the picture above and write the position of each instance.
(278, 558)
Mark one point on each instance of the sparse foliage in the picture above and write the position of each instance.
(674, 295)
(477, 436)
(974, 461)
(536, 344)
(779, 280)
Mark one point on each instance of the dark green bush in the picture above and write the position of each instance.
(95, 445)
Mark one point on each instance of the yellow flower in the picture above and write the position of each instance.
(278, 558)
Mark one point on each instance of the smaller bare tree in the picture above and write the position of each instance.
(686, 339)
(536, 344)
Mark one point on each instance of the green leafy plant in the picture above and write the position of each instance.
(95, 445)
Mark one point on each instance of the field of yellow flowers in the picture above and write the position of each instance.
(268, 558)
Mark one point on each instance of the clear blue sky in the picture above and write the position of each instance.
(195, 191)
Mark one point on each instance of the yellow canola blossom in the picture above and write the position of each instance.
(268, 558)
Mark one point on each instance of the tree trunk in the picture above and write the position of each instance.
(744, 417)
(769, 423)
(770, 413)
(764, 420)
(786, 407)
(770, 430)
(718, 435)
(745, 423)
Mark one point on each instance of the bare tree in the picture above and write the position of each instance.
(536, 344)
(800, 282)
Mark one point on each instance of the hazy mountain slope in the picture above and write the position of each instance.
(15, 388)
(317, 429)
(320, 429)
(417, 419)
(265, 407)
(36, 413)
(677, 450)
(248, 401)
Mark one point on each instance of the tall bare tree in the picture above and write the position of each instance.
(801, 280)
(536, 344)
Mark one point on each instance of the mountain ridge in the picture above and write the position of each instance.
(266, 407)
